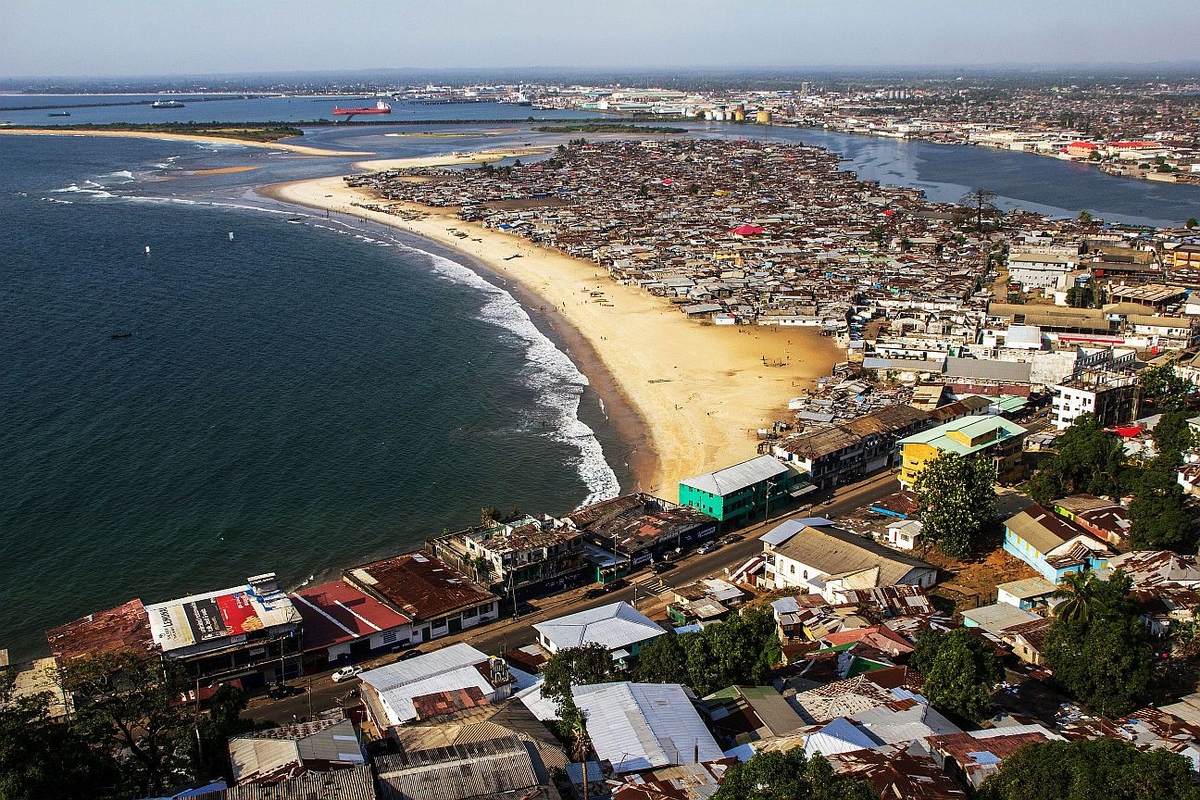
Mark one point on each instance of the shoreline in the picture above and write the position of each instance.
(186, 137)
(687, 397)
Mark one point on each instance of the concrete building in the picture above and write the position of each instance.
(252, 632)
(637, 529)
(999, 438)
(1053, 545)
(344, 625)
(743, 492)
(1038, 270)
(1108, 395)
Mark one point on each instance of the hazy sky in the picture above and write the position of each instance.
(160, 37)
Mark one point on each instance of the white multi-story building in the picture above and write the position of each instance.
(1108, 395)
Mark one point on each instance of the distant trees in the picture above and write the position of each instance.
(956, 498)
(774, 775)
(960, 670)
(1100, 654)
(1107, 767)
(740, 650)
(1191, 223)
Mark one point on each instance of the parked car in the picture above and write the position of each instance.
(612, 586)
(731, 538)
(346, 673)
(706, 548)
(278, 691)
(595, 591)
(410, 653)
(662, 566)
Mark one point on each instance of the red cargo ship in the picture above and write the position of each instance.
(380, 108)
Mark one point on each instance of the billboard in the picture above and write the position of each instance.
(203, 619)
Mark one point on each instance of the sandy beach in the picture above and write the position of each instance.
(698, 392)
(183, 137)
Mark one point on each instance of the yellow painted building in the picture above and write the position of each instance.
(1186, 255)
(999, 437)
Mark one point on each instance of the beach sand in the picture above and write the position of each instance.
(183, 137)
(449, 159)
(699, 392)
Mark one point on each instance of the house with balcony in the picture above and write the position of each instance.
(1000, 439)
(743, 492)
(1109, 395)
(817, 557)
(526, 556)
(637, 529)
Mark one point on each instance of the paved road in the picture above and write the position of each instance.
(508, 633)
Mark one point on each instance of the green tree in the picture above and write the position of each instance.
(1085, 768)
(208, 751)
(1088, 460)
(1162, 389)
(956, 498)
(1077, 597)
(774, 775)
(960, 670)
(1191, 223)
(575, 666)
(127, 703)
(740, 650)
(1085, 217)
(41, 759)
(1105, 662)
(1172, 436)
(1159, 518)
(663, 660)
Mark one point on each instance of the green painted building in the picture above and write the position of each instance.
(744, 492)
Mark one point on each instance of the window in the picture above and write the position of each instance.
(793, 569)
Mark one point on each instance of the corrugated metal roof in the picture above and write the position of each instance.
(355, 783)
(980, 369)
(739, 476)
(613, 626)
(789, 528)
(398, 702)
(458, 772)
(423, 666)
(997, 617)
(640, 725)
(834, 552)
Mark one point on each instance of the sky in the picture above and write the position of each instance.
(107, 38)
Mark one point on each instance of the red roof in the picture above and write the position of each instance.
(120, 629)
(747, 230)
(1127, 431)
(1084, 145)
(335, 612)
(1136, 143)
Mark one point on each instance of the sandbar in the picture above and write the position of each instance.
(700, 391)
(449, 159)
(222, 170)
(187, 137)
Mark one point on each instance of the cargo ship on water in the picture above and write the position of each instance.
(166, 104)
(380, 107)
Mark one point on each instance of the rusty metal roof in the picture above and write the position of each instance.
(418, 585)
(125, 627)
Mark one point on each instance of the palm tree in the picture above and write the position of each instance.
(1077, 597)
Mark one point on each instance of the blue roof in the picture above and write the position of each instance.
(789, 528)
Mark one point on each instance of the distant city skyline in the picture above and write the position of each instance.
(135, 38)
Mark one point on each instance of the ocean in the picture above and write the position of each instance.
(317, 391)
(305, 396)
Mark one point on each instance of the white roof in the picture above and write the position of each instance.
(446, 670)
(636, 726)
(416, 669)
(614, 626)
(839, 736)
(739, 476)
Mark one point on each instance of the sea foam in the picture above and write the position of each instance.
(559, 382)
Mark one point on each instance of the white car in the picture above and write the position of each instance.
(346, 673)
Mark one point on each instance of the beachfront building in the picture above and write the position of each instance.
(816, 556)
(343, 625)
(523, 556)
(438, 599)
(636, 529)
(999, 438)
(252, 632)
(1110, 396)
(743, 492)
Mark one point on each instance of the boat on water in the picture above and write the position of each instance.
(121, 335)
(59, 114)
(380, 107)
(166, 104)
